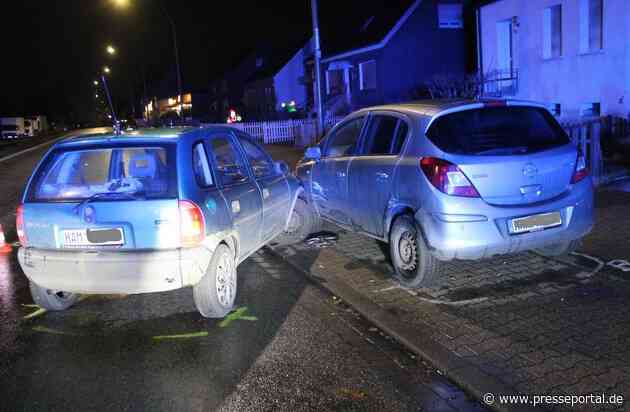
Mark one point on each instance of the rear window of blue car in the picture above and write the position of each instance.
(77, 174)
(506, 130)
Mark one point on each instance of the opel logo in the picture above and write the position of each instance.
(530, 170)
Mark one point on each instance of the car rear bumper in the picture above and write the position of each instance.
(472, 229)
(102, 272)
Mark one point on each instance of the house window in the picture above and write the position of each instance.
(450, 16)
(367, 75)
(590, 110)
(591, 25)
(552, 32)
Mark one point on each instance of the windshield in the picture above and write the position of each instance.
(497, 131)
(80, 174)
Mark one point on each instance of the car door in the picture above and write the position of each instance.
(371, 173)
(242, 196)
(330, 173)
(273, 186)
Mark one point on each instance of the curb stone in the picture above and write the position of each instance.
(465, 374)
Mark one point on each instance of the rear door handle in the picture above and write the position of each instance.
(382, 176)
(341, 174)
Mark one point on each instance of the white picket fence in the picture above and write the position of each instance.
(300, 132)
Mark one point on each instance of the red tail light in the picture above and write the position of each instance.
(581, 170)
(19, 225)
(447, 177)
(192, 226)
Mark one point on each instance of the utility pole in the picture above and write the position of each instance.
(318, 74)
(179, 73)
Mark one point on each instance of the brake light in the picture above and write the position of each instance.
(19, 225)
(447, 177)
(192, 226)
(581, 170)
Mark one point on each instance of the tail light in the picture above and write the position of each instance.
(192, 226)
(19, 225)
(447, 177)
(581, 170)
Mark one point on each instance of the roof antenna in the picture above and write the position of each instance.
(116, 125)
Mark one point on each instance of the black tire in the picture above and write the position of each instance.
(413, 263)
(208, 293)
(52, 300)
(560, 248)
(303, 221)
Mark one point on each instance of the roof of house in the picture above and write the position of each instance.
(363, 24)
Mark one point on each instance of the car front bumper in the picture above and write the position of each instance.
(103, 272)
(473, 229)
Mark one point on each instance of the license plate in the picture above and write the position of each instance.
(93, 237)
(535, 222)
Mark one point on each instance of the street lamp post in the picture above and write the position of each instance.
(125, 3)
(179, 73)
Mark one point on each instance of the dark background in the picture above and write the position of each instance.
(53, 50)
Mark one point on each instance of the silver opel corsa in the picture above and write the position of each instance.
(451, 179)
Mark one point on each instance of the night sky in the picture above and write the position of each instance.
(53, 50)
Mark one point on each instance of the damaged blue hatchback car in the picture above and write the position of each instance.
(456, 179)
(150, 211)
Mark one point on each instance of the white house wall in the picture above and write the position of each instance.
(287, 84)
(574, 78)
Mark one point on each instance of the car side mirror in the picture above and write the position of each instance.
(313, 153)
(282, 167)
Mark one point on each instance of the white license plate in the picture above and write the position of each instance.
(535, 222)
(93, 237)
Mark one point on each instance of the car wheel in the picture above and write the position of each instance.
(413, 263)
(53, 300)
(560, 248)
(215, 293)
(303, 222)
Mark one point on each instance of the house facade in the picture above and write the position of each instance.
(396, 61)
(281, 89)
(574, 55)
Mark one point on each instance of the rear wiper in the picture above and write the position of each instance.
(121, 195)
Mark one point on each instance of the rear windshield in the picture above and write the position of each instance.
(497, 131)
(111, 173)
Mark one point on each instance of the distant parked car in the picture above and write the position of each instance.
(442, 180)
(150, 211)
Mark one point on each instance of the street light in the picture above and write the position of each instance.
(106, 70)
(95, 82)
(121, 3)
(110, 50)
(124, 4)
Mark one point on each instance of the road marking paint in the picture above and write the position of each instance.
(200, 334)
(433, 301)
(620, 264)
(584, 275)
(238, 314)
(38, 312)
(44, 329)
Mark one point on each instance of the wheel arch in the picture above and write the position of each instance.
(393, 212)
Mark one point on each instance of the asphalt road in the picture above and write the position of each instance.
(288, 346)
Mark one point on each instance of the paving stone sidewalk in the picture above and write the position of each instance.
(537, 325)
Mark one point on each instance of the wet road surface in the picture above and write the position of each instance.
(288, 346)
